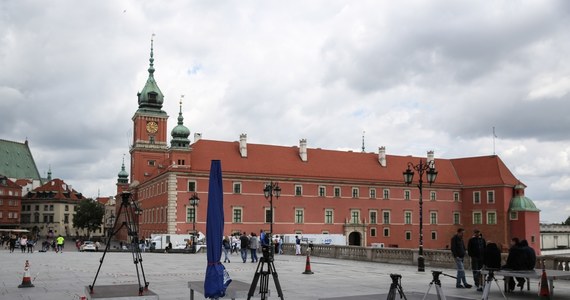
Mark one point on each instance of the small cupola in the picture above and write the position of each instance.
(180, 133)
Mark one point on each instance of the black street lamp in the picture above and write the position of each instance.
(271, 189)
(194, 200)
(431, 174)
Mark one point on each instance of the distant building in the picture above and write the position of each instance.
(48, 210)
(10, 197)
(17, 166)
(554, 236)
(359, 195)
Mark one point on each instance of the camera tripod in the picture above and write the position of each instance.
(130, 211)
(488, 281)
(396, 287)
(437, 282)
(266, 258)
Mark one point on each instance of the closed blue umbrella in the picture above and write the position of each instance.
(214, 284)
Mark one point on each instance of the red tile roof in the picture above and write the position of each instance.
(282, 161)
(55, 189)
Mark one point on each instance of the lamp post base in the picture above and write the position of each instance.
(421, 264)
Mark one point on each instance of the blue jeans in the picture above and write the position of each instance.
(226, 251)
(243, 252)
(253, 255)
(460, 271)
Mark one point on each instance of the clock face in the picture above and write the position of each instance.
(151, 127)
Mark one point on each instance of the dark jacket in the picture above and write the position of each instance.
(492, 256)
(529, 256)
(244, 241)
(476, 247)
(517, 259)
(457, 246)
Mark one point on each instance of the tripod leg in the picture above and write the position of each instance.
(499, 287)
(276, 279)
(255, 280)
(401, 291)
(440, 294)
(392, 293)
(427, 292)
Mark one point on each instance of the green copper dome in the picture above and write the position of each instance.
(180, 133)
(151, 98)
(123, 175)
(520, 202)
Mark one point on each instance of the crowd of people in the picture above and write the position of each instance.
(250, 244)
(487, 255)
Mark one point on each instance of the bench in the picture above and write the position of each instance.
(237, 289)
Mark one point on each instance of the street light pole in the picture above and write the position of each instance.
(194, 200)
(271, 189)
(431, 174)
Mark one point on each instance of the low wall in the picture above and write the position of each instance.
(433, 258)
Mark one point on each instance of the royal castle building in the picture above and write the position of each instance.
(357, 194)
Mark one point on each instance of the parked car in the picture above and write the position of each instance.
(87, 246)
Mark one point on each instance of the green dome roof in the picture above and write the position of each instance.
(151, 98)
(180, 133)
(123, 175)
(520, 202)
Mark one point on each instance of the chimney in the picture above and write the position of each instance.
(303, 149)
(197, 136)
(430, 157)
(382, 156)
(243, 145)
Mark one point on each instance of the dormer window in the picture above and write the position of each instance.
(152, 97)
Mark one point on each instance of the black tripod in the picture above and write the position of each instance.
(130, 221)
(267, 258)
(396, 286)
(437, 282)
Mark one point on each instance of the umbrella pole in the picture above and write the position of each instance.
(268, 259)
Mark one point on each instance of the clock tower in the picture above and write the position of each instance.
(149, 129)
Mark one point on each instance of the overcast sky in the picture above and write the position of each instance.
(413, 75)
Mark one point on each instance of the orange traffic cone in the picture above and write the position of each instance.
(308, 266)
(544, 291)
(26, 281)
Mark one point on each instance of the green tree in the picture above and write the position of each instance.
(88, 215)
(567, 222)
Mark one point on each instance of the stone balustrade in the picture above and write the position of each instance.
(433, 258)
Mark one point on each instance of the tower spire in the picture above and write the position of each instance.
(151, 59)
(363, 149)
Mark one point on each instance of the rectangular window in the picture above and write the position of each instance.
(355, 192)
(385, 194)
(51, 207)
(268, 216)
(407, 217)
(476, 197)
(372, 193)
(355, 216)
(237, 187)
(66, 207)
(191, 186)
(66, 219)
(432, 195)
(386, 232)
(433, 217)
(514, 215)
(46, 207)
(151, 162)
(322, 191)
(237, 215)
(190, 214)
(477, 218)
(491, 218)
(408, 235)
(298, 190)
(337, 192)
(434, 235)
(456, 218)
(329, 216)
(299, 216)
(373, 217)
(373, 232)
(37, 206)
(386, 217)
(456, 196)
(407, 195)
(490, 197)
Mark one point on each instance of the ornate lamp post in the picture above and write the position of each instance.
(194, 201)
(271, 189)
(431, 174)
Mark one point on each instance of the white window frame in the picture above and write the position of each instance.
(237, 185)
(355, 192)
(489, 221)
(476, 197)
(432, 215)
(298, 190)
(370, 213)
(297, 221)
(387, 220)
(480, 214)
(411, 217)
(331, 215)
(372, 193)
(385, 194)
(491, 197)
